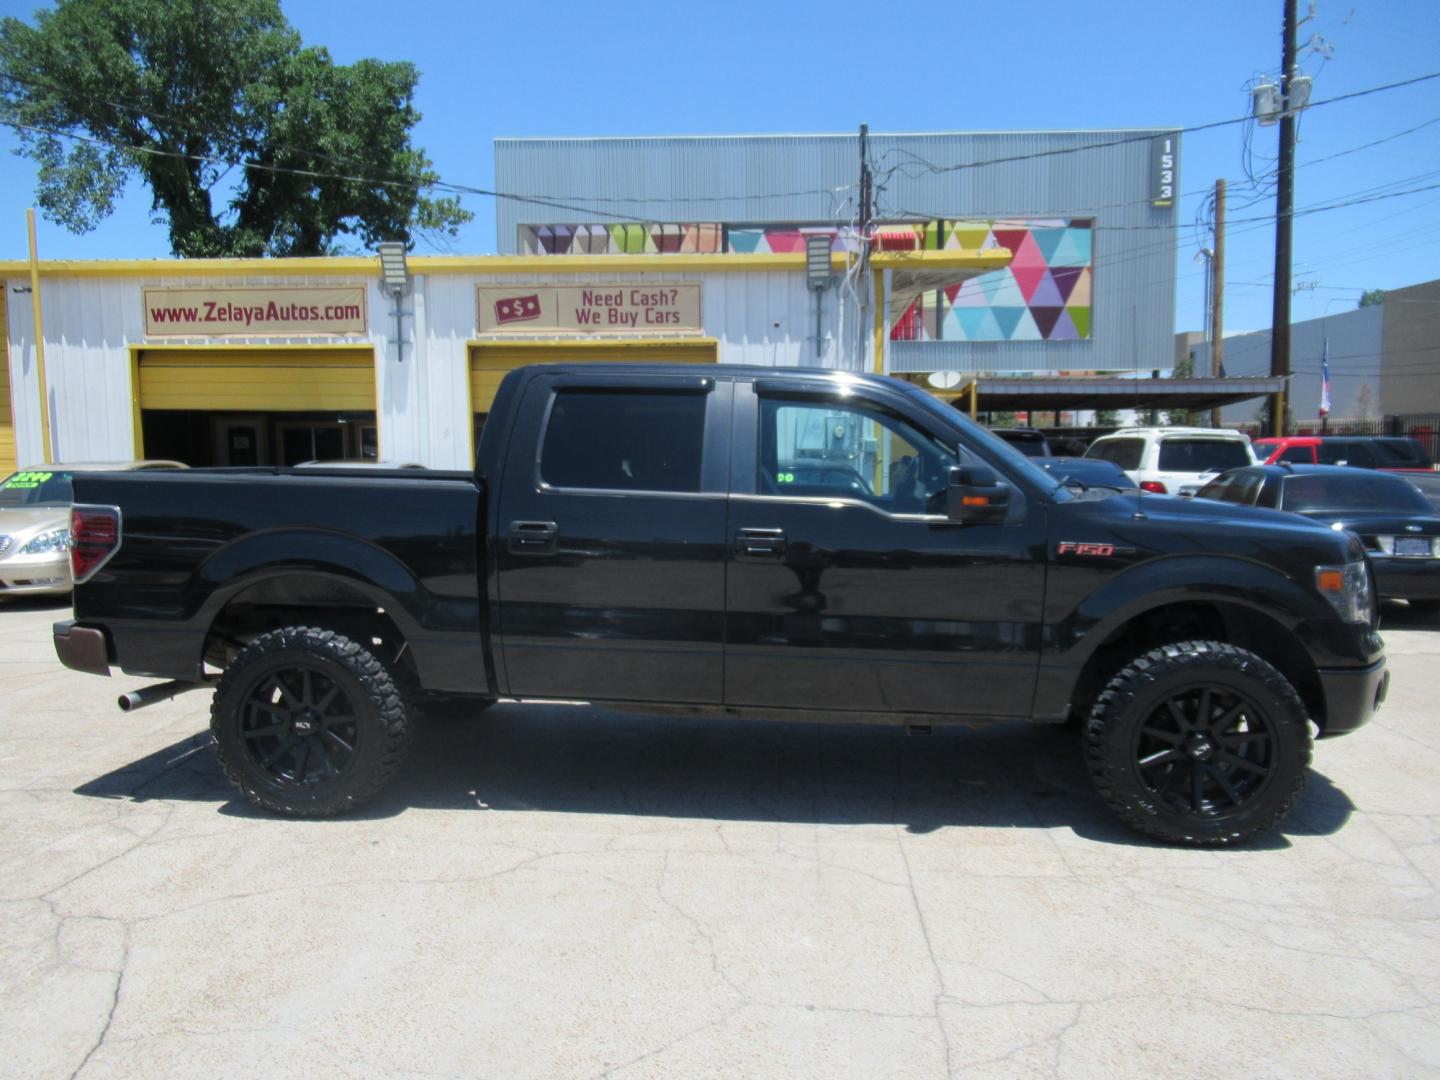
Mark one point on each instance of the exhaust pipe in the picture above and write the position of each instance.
(150, 695)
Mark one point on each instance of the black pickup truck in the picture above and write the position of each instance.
(784, 544)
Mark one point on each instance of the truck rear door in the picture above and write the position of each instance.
(610, 558)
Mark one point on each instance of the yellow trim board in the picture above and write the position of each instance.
(641, 344)
(362, 266)
(989, 259)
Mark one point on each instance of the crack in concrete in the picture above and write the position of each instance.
(930, 950)
(114, 1005)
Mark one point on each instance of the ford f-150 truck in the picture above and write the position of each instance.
(763, 543)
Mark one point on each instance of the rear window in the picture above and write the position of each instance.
(1242, 487)
(1351, 492)
(624, 440)
(1401, 453)
(37, 488)
(1300, 455)
(1029, 443)
(1123, 452)
(1202, 455)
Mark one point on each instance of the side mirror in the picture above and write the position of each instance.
(976, 496)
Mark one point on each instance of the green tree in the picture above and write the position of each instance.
(217, 102)
(1184, 369)
(1107, 418)
(1372, 298)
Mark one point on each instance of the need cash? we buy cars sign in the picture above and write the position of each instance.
(614, 308)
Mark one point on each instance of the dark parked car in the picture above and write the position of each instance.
(1398, 525)
(732, 542)
(1087, 472)
(1028, 441)
(1388, 453)
(1428, 484)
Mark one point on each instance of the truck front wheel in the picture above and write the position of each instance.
(308, 722)
(1199, 742)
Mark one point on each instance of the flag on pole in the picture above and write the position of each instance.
(1325, 379)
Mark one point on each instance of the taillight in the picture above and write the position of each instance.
(1155, 487)
(94, 537)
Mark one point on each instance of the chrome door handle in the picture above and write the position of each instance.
(760, 542)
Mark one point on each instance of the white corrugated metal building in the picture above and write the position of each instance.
(244, 362)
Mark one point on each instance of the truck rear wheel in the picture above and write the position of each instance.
(1200, 743)
(308, 722)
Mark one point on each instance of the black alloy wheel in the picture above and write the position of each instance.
(1205, 750)
(308, 722)
(300, 726)
(1199, 742)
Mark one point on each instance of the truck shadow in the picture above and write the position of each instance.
(582, 760)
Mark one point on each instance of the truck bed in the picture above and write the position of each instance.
(206, 543)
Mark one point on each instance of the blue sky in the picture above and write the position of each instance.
(615, 68)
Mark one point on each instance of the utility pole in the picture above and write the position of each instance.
(1284, 214)
(865, 192)
(1217, 295)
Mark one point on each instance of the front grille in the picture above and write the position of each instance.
(5, 542)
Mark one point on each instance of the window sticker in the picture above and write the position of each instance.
(22, 480)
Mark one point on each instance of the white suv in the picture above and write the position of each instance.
(1173, 460)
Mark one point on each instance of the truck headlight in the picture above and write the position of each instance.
(1349, 591)
(54, 540)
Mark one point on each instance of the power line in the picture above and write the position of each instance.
(1151, 134)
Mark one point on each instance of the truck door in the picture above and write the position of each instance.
(848, 588)
(610, 559)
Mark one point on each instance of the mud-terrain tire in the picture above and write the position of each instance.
(1199, 743)
(308, 723)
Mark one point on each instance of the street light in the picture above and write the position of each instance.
(394, 270)
(395, 283)
(817, 276)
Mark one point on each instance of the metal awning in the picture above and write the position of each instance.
(996, 394)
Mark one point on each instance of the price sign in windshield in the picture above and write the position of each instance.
(23, 480)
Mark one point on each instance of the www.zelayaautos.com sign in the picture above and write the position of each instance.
(258, 310)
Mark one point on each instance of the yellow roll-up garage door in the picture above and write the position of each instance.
(258, 380)
(490, 361)
(7, 412)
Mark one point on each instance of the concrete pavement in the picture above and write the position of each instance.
(566, 894)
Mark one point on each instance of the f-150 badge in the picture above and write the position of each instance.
(1072, 547)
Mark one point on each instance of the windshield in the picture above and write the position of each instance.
(36, 489)
(995, 447)
(1352, 492)
(1202, 455)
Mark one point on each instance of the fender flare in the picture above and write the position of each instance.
(317, 554)
(1178, 579)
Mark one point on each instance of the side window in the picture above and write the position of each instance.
(1346, 453)
(631, 440)
(828, 448)
(1299, 455)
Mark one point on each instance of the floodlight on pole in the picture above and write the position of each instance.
(395, 283)
(394, 270)
(817, 276)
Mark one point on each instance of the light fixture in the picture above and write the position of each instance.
(395, 283)
(817, 260)
(817, 276)
(394, 270)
